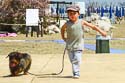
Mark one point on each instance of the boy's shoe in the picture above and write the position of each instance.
(76, 77)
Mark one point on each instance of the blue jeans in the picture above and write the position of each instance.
(75, 59)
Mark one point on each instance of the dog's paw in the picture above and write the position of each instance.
(25, 73)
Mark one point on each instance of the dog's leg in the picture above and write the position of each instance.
(27, 68)
(14, 73)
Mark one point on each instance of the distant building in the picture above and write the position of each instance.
(124, 4)
(60, 8)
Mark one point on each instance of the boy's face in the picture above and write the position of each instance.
(73, 15)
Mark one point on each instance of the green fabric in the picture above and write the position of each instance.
(74, 35)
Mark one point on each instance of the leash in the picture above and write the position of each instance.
(52, 73)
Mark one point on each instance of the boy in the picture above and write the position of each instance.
(74, 37)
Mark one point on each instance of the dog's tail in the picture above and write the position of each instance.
(10, 54)
(7, 56)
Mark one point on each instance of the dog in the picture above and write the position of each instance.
(19, 62)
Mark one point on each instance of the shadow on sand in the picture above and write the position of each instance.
(7, 76)
(53, 76)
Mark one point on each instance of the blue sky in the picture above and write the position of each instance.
(113, 1)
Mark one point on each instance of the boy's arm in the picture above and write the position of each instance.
(63, 29)
(95, 28)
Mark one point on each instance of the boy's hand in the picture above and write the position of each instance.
(104, 34)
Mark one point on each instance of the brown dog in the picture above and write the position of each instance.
(19, 62)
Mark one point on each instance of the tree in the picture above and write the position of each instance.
(13, 11)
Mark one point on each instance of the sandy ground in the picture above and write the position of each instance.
(95, 68)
